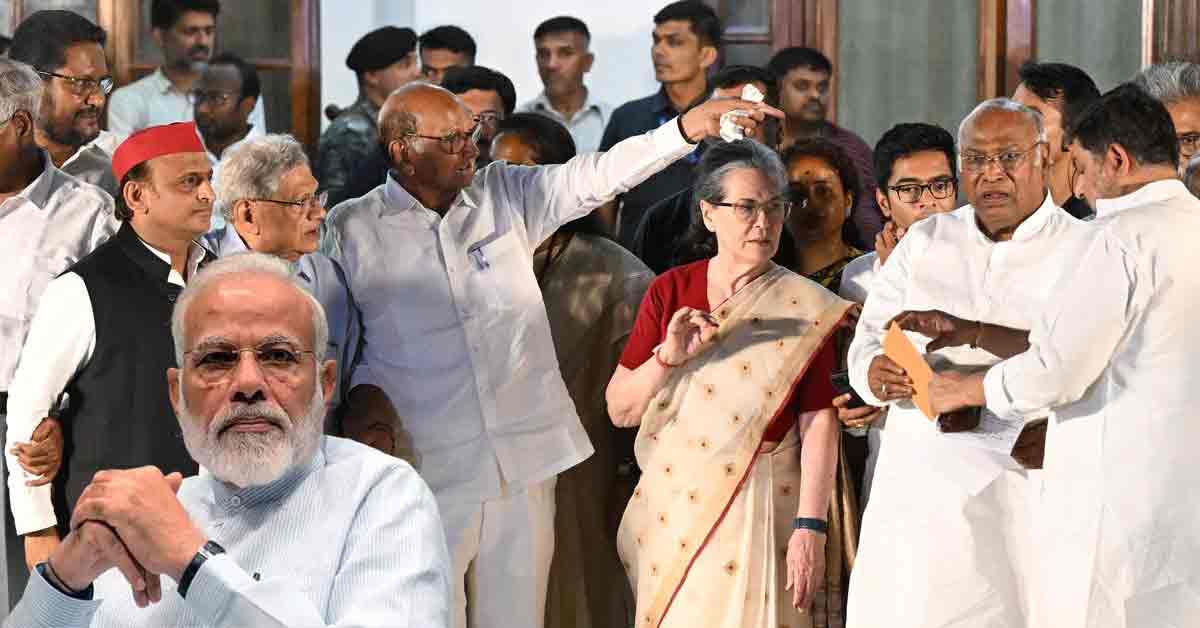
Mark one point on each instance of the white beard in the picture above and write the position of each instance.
(246, 459)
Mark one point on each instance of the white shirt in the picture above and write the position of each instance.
(857, 277)
(92, 163)
(153, 100)
(45, 229)
(351, 538)
(454, 324)
(61, 340)
(586, 126)
(934, 498)
(1115, 353)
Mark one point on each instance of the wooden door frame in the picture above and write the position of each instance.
(122, 18)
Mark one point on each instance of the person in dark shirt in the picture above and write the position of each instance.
(687, 36)
(805, 78)
(490, 96)
(1059, 92)
(664, 225)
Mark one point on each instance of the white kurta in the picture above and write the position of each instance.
(1116, 355)
(946, 538)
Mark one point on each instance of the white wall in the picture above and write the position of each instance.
(503, 31)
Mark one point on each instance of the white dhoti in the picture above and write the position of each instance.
(934, 553)
(500, 551)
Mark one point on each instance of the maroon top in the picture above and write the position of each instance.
(687, 286)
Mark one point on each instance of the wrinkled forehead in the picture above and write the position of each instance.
(998, 128)
(246, 309)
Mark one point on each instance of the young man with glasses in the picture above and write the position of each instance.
(487, 93)
(458, 351)
(67, 52)
(222, 100)
(914, 170)
(101, 335)
(962, 496)
(186, 31)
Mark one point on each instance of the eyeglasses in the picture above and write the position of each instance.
(81, 86)
(454, 143)
(218, 98)
(1189, 144)
(279, 360)
(912, 192)
(776, 210)
(310, 203)
(1009, 160)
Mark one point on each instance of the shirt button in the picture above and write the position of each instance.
(235, 501)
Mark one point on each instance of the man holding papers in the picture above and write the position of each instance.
(946, 536)
(1114, 353)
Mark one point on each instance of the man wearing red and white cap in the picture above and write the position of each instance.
(102, 335)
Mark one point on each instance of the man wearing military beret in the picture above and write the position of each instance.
(384, 60)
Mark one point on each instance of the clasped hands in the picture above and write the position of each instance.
(133, 521)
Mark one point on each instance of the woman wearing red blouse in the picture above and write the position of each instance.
(726, 374)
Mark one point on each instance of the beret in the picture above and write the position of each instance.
(380, 48)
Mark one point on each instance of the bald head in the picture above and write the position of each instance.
(407, 108)
(427, 134)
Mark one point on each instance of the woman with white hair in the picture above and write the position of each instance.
(727, 372)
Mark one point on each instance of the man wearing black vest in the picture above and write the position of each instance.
(102, 333)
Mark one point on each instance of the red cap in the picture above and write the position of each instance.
(155, 141)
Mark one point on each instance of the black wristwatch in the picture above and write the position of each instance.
(206, 552)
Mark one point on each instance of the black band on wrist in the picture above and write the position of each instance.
(56, 582)
(808, 523)
(209, 550)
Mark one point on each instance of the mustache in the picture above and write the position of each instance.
(88, 111)
(262, 410)
(195, 49)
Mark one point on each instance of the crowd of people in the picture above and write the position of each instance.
(482, 360)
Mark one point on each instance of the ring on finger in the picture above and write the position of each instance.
(884, 388)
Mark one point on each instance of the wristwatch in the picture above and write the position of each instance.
(207, 551)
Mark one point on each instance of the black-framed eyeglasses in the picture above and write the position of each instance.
(912, 192)
(216, 97)
(310, 203)
(1009, 160)
(81, 86)
(776, 209)
(278, 359)
(454, 143)
(1189, 143)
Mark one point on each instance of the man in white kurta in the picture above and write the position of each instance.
(456, 334)
(1115, 354)
(945, 539)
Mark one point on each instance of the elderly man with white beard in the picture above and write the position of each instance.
(283, 526)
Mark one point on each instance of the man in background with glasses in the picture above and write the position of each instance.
(222, 101)
(186, 31)
(457, 346)
(48, 221)
(1176, 84)
(958, 492)
(101, 334)
(67, 51)
(489, 95)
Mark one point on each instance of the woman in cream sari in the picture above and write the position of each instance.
(727, 374)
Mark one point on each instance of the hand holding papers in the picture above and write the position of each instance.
(900, 349)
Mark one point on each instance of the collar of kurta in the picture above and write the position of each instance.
(225, 494)
(38, 192)
(228, 242)
(1153, 192)
(1031, 226)
(140, 254)
(542, 102)
(398, 200)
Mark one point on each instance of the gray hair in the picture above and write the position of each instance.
(248, 263)
(721, 158)
(253, 169)
(20, 90)
(1002, 104)
(1170, 82)
(1191, 175)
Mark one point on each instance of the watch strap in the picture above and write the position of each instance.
(207, 551)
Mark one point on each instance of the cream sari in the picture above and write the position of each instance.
(704, 539)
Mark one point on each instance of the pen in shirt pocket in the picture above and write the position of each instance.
(477, 258)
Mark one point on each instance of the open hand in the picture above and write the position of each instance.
(944, 330)
(805, 567)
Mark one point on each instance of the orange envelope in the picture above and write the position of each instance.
(900, 349)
